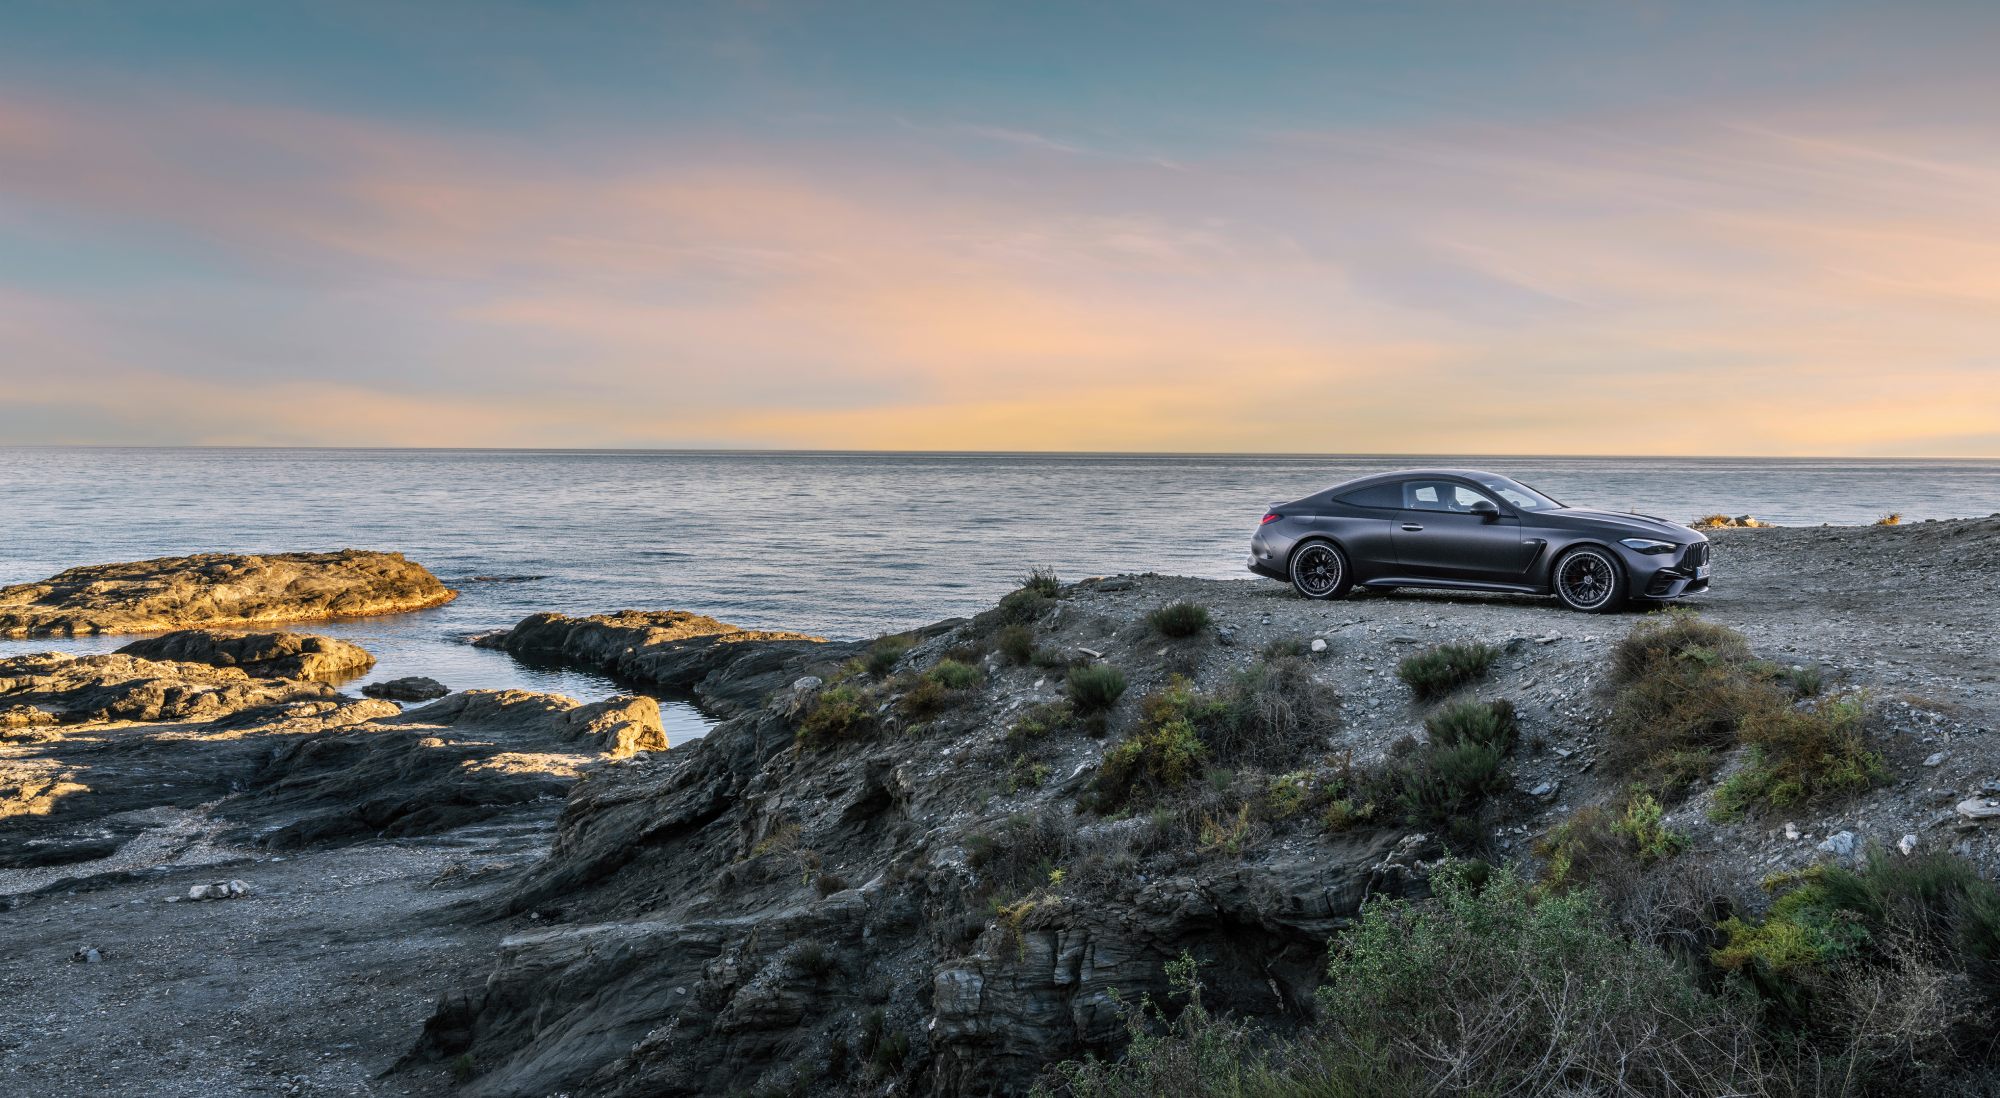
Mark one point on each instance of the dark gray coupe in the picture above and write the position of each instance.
(1470, 530)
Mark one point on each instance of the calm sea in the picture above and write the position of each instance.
(845, 545)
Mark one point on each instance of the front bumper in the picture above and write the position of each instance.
(1687, 574)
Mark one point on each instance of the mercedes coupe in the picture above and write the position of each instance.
(1475, 531)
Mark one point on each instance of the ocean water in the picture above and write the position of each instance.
(843, 545)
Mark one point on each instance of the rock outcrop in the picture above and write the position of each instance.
(265, 655)
(756, 913)
(92, 747)
(218, 589)
(728, 667)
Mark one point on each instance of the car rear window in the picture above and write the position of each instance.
(1387, 495)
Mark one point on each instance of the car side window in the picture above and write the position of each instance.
(1440, 495)
(1425, 495)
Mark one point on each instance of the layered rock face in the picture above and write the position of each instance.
(265, 655)
(218, 589)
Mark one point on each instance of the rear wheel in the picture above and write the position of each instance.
(1319, 571)
(1589, 579)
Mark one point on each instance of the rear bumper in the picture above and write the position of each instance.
(1266, 568)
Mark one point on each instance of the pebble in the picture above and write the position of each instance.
(1791, 831)
(219, 890)
(1318, 644)
(1934, 760)
(87, 955)
(1840, 844)
(1907, 845)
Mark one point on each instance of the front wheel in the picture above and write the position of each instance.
(1319, 571)
(1589, 579)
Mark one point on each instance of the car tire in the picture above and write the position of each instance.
(1589, 579)
(1319, 570)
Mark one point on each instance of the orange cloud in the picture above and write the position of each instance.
(1642, 284)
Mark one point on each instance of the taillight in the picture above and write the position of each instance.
(1270, 517)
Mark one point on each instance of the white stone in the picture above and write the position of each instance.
(1934, 760)
(1319, 644)
(1840, 844)
(1908, 845)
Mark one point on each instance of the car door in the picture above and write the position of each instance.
(1439, 536)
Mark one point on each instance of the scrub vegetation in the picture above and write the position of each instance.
(1435, 672)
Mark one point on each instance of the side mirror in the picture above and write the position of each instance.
(1485, 509)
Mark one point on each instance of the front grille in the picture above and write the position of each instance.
(1696, 556)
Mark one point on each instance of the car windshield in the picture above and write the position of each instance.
(1518, 494)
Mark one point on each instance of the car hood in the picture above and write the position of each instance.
(1585, 517)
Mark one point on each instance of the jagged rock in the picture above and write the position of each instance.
(128, 688)
(218, 589)
(1840, 844)
(412, 688)
(265, 655)
(671, 649)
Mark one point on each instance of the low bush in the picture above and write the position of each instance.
(1438, 671)
(839, 712)
(1439, 785)
(953, 675)
(1488, 989)
(885, 653)
(1024, 606)
(1801, 755)
(1274, 712)
(1681, 689)
(1489, 724)
(1160, 755)
(1015, 642)
(1287, 648)
(1596, 847)
(1043, 582)
(1179, 619)
(1095, 688)
(1039, 722)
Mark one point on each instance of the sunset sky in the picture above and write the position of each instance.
(1592, 227)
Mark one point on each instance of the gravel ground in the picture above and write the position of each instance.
(313, 984)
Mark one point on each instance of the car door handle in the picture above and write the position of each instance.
(1412, 526)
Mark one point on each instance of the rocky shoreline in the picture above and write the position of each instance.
(933, 864)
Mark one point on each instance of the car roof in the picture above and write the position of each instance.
(1405, 474)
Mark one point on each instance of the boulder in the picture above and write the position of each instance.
(218, 589)
(264, 655)
(410, 688)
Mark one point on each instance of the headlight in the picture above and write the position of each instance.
(1648, 545)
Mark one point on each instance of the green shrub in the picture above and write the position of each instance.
(953, 675)
(1024, 606)
(1799, 756)
(1039, 722)
(839, 712)
(1015, 642)
(1095, 688)
(1155, 757)
(1043, 582)
(1681, 689)
(1489, 724)
(1438, 671)
(1272, 713)
(1286, 648)
(885, 653)
(1596, 847)
(1179, 619)
(1488, 989)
